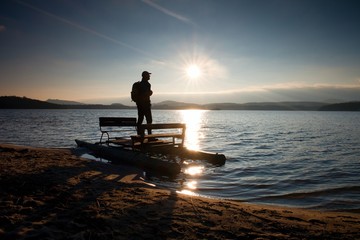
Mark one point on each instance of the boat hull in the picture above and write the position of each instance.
(184, 153)
(134, 158)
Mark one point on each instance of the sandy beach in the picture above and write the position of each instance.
(55, 194)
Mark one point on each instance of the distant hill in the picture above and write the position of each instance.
(14, 102)
(176, 105)
(309, 106)
(64, 102)
(347, 106)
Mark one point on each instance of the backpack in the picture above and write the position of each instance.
(135, 92)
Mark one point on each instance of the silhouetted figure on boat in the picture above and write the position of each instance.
(140, 94)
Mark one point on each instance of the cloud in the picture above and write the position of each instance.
(167, 11)
(2, 28)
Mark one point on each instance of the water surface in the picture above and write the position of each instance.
(295, 158)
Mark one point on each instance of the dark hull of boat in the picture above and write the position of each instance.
(134, 158)
(184, 153)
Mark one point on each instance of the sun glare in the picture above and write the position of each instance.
(193, 71)
(193, 120)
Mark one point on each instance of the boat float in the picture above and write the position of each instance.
(155, 152)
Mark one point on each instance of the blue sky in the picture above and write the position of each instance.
(243, 51)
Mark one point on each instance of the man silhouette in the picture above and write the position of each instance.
(143, 103)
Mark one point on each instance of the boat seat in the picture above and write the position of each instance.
(167, 133)
(112, 126)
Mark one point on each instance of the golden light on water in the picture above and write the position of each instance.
(191, 185)
(187, 192)
(194, 170)
(193, 120)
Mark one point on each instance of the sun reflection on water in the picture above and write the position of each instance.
(191, 184)
(193, 120)
(187, 192)
(194, 170)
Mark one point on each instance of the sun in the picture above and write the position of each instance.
(193, 71)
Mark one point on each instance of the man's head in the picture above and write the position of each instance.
(145, 75)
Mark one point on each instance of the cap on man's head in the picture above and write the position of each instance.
(145, 73)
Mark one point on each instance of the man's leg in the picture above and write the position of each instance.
(140, 117)
(148, 116)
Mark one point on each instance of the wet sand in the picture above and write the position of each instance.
(54, 194)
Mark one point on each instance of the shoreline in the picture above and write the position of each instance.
(53, 193)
